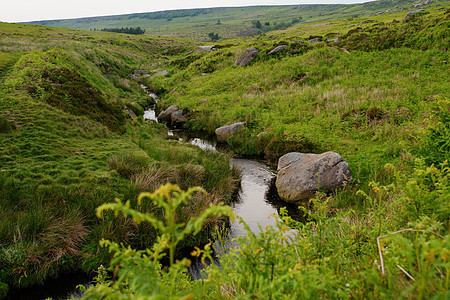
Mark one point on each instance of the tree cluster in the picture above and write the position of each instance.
(129, 30)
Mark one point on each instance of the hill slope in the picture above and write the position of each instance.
(232, 22)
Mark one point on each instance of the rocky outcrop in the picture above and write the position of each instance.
(411, 14)
(224, 132)
(246, 57)
(315, 39)
(277, 49)
(165, 115)
(300, 175)
(201, 49)
(177, 117)
(162, 73)
(131, 113)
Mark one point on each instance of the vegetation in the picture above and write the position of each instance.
(332, 256)
(131, 30)
(235, 21)
(372, 88)
(67, 147)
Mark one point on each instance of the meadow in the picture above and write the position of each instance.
(231, 22)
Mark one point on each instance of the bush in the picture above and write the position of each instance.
(5, 125)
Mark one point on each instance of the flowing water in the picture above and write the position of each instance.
(256, 203)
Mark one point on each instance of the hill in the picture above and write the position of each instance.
(232, 22)
(67, 146)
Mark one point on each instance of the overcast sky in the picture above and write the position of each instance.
(37, 10)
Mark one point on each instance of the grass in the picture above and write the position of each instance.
(68, 147)
(234, 21)
(323, 99)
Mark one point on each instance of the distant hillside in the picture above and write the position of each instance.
(231, 22)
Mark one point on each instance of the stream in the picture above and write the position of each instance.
(256, 203)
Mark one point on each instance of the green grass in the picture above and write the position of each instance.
(377, 96)
(325, 99)
(62, 123)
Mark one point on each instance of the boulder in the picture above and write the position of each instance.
(277, 49)
(246, 57)
(300, 175)
(165, 115)
(411, 13)
(224, 132)
(162, 73)
(177, 117)
(140, 72)
(201, 49)
(315, 39)
(131, 113)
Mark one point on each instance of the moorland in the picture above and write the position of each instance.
(371, 86)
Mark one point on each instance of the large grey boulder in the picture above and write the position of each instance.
(300, 175)
(224, 132)
(246, 57)
(165, 115)
(277, 49)
(201, 49)
(410, 14)
(177, 117)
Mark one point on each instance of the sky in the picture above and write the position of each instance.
(38, 10)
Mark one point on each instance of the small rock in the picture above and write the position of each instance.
(277, 49)
(165, 115)
(315, 39)
(131, 113)
(177, 117)
(201, 49)
(335, 40)
(351, 25)
(140, 72)
(411, 13)
(224, 132)
(246, 57)
(162, 73)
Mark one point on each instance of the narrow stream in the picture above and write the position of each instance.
(255, 203)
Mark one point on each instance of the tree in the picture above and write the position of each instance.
(213, 36)
(256, 24)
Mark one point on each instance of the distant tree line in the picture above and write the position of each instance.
(274, 26)
(172, 14)
(129, 30)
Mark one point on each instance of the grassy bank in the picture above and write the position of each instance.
(67, 146)
(378, 95)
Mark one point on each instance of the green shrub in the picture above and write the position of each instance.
(5, 125)
(3, 290)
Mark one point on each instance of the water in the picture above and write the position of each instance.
(252, 204)
(57, 289)
(257, 202)
(149, 113)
